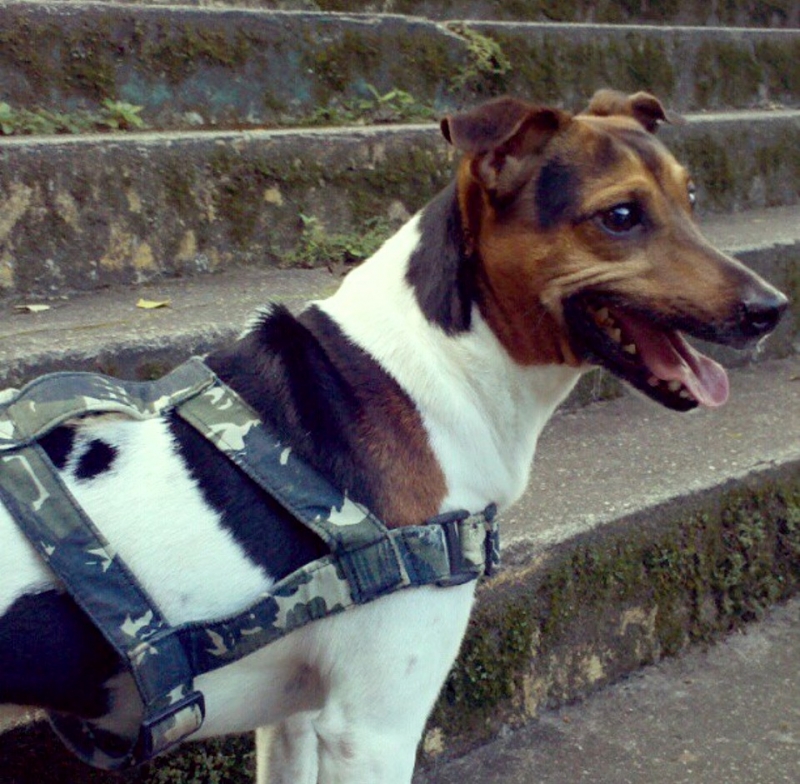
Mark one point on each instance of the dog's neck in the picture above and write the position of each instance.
(413, 308)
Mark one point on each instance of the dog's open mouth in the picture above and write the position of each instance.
(656, 360)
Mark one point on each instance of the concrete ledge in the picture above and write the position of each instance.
(105, 330)
(690, 68)
(81, 213)
(736, 13)
(234, 67)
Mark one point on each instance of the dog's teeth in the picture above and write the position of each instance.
(630, 348)
(684, 393)
(653, 381)
(615, 334)
(602, 317)
(674, 386)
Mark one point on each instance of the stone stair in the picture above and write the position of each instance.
(280, 142)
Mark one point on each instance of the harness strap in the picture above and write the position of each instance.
(320, 588)
(51, 400)
(98, 580)
(361, 544)
(367, 560)
(102, 586)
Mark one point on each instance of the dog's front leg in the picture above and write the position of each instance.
(287, 753)
(382, 666)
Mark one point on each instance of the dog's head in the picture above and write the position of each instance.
(586, 249)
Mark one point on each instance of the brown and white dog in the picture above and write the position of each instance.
(420, 387)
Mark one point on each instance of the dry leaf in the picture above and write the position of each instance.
(152, 304)
(31, 308)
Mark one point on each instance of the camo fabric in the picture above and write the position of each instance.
(366, 559)
(365, 551)
(51, 400)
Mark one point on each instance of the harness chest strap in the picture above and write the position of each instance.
(366, 561)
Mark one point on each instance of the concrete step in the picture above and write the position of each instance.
(234, 67)
(727, 713)
(81, 213)
(105, 331)
(732, 13)
(642, 531)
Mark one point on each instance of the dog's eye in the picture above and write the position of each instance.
(691, 190)
(622, 218)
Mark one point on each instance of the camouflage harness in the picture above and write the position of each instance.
(366, 559)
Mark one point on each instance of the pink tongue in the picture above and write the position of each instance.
(669, 357)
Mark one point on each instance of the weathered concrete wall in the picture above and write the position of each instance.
(76, 214)
(216, 66)
(689, 69)
(235, 68)
(737, 13)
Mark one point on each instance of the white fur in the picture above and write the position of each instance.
(483, 412)
(347, 696)
(150, 509)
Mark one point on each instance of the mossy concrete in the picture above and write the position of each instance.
(733, 13)
(81, 214)
(78, 214)
(585, 613)
(214, 67)
(688, 68)
(235, 68)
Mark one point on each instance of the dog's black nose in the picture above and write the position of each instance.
(761, 311)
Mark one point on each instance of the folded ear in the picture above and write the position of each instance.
(643, 107)
(503, 137)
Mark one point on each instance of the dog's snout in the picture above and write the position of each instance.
(761, 310)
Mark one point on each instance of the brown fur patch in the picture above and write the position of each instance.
(529, 266)
(409, 483)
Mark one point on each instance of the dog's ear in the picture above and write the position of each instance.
(643, 107)
(503, 137)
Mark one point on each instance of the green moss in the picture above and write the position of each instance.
(487, 64)
(538, 67)
(225, 761)
(648, 66)
(779, 59)
(319, 247)
(432, 60)
(87, 61)
(336, 63)
(728, 75)
(238, 197)
(764, 13)
(556, 67)
(708, 572)
(179, 186)
(150, 371)
(179, 53)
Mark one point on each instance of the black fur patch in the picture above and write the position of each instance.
(98, 457)
(309, 384)
(58, 444)
(442, 276)
(556, 193)
(258, 523)
(52, 656)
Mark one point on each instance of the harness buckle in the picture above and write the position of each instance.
(166, 728)
(461, 571)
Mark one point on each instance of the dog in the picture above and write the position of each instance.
(565, 242)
